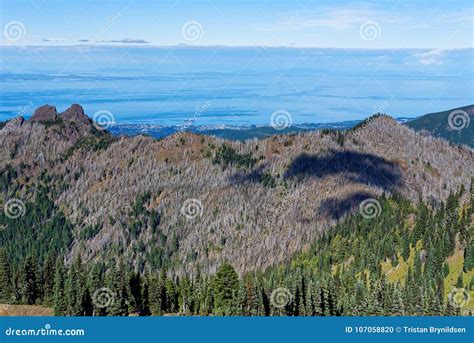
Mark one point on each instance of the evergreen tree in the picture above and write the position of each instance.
(59, 296)
(87, 305)
(145, 308)
(225, 286)
(47, 278)
(28, 282)
(459, 282)
(117, 285)
(6, 291)
(398, 309)
(135, 291)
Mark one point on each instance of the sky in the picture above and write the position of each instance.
(341, 24)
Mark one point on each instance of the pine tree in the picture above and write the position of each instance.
(59, 295)
(94, 283)
(155, 293)
(76, 289)
(145, 309)
(6, 291)
(360, 298)
(117, 286)
(29, 286)
(87, 304)
(406, 245)
(71, 292)
(225, 286)
(398, 309)
(48, 279)
(459, 282)
(135, 291)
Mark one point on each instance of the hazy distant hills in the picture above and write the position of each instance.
(456, 125)
(189, 201)
(231, 132)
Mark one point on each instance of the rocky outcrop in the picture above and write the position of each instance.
(75, 114)
(45, 113)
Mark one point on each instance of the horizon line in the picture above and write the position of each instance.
(144, 45)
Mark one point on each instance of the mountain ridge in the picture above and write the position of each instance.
(455, 125)
(125, 195)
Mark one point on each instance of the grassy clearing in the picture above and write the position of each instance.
(24, 310)
(399, 273)
(455, 263)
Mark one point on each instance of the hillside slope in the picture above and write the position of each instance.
(190, 201)
(456, 125)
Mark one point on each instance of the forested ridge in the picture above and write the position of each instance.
(343, 273)
(374, 220)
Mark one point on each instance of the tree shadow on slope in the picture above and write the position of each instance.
(253, 176)
(353, 166)
(350, 166)
(335, 207)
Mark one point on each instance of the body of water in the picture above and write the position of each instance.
(234, 86)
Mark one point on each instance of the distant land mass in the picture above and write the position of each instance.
(453, 125)
(231, 132)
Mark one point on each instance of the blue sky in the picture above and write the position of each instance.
(341, 24)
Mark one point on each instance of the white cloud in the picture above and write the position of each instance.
(431, 57)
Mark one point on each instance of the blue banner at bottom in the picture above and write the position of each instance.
(237, 329)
